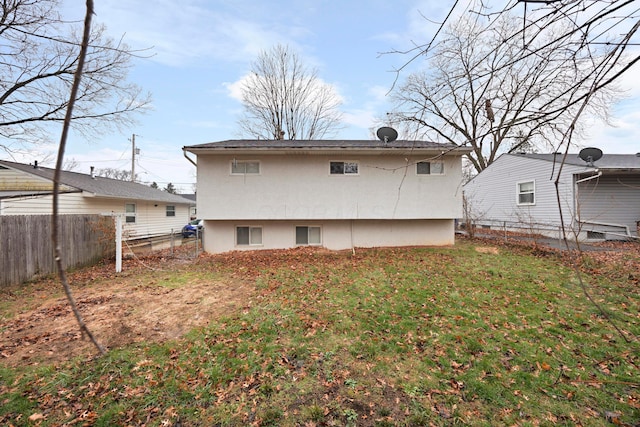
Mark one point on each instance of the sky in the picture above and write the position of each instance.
(201, 49)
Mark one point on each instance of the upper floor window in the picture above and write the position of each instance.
(171, 210)
(243, 167)
(130, 213)
(527, 193)
(430, 168)
(343, 168)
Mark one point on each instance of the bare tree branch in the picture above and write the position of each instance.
(283, 99)
(56, 177)
(38, 59)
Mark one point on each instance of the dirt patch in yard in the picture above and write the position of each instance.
(38, 328)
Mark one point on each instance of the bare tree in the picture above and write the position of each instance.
(114, 173)
(483, 89)
(283, 99)
(38, 58)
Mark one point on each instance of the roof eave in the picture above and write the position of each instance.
(329, 150)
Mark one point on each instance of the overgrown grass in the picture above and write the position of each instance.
(387, 337)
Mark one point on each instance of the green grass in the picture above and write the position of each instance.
(402, 337)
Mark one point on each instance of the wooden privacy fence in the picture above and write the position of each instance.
(26, 249)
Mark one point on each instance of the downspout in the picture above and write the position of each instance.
(184, 152)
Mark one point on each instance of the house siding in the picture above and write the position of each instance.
(300, 187)
(12, 180)
(492, 195)
(611, 200)
(151, 219)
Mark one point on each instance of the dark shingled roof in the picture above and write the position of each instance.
(608, 161)
(321, 145)
(100, 186)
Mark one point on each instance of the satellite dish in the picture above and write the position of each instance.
(590, 155)
(387, 134)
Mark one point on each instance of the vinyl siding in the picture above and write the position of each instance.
(11, 180)
(151, 219)
(492, 195)
(610, 200)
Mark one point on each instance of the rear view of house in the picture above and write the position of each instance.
(599, 197)
(258, 194)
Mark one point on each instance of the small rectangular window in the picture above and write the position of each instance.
(171, 210)
(130, 213)
(248, 236)
(343, 168)
(308, 236)
(526, 193)
(244, 167)
(430, 168)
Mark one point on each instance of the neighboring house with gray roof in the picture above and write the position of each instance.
(599, 200)
(339, 194)
(148, 212)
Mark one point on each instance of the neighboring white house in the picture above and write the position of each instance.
(148, 212)
(599, 200)
(265, 194)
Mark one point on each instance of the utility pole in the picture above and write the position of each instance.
(134, 151)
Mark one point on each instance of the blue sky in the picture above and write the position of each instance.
(201, 48)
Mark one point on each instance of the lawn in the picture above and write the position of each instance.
(474, 334)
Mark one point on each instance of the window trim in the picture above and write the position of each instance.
(520, 193)
(133, 214)
(431, 163)
(170, 212)
(308, 227)
(250, 227)
(245, 162)
(344, 162)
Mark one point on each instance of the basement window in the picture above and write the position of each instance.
(308, 236)
(248, 236)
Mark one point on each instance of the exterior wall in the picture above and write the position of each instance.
(300, 187)
(220, 236)
(613, 200)
(151, 219)
(492, 195)
(11, 179)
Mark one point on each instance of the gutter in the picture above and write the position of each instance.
(184, 152)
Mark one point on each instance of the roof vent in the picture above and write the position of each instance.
(93, 175)
(35, 164)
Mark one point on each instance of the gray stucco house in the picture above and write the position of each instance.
(598, 200)
(339, 194)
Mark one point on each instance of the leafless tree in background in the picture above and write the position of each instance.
(594, 41)
(114, 173)
(283, 99)
(38, 58)
(504, 83)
